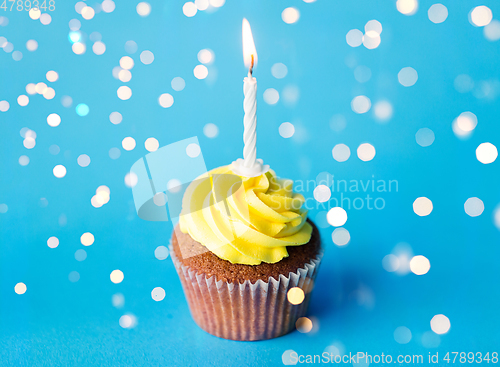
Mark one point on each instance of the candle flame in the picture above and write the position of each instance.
(249, 51)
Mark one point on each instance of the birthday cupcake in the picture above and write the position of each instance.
(241, 245)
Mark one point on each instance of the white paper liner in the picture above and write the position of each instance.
(246, 311)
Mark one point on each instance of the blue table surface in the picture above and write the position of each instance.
(356, 305)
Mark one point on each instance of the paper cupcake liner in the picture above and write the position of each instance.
(246, 311)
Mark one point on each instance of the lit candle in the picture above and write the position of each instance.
(249, 166)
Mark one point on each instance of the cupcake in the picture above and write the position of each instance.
(241, 244)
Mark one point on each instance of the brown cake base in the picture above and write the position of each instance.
(244, 302)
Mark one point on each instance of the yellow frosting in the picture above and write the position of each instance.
(259, 218)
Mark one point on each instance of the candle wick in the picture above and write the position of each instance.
(250, 71)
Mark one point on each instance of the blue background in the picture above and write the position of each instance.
(356, 305)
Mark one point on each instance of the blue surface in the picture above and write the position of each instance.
(356, 305)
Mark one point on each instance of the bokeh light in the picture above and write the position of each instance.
(419, 265)
(4, 106)
(390, 263)
(290, 15)
(189, 9)
(474, 207)
(341, 236)
(29, 143)
(143, 9)
(336, 216)
(322, 193)
(166, 100)
(217, 3)
(151, 144)
(373, 25)
(80, 255)
(354, 38)
(20, 288)
(361, 104)
(59, 171)
(115, 117)
(486, 153)
(82, 109)
(279, 70)
(53, 119)
(66, 101)
(52, 76)
(291, 94)
(49, 93)
(131, 47)
(202, 4)
(17, 55)
(193, 150)
(87, 13)
(304, 325)
(31, 45)
(114, 153)
(53, 242)
(74, 276)
(206, 56)
(271, 96)
(158, 294)
(383, 111)
(407, 76)
(83, 160)
(286, 130)
(200, 71)
(23, 100)
(108, 6)
(24, 160)
(161, 252)
(371, 40)
(362, 73)
(79, 48)
(467, 121)
(492, 31)
(210, 130)
(402, 335)
(126, 62)
(440, 324)
(87, 239)
(424, 137)
(295, 296)
(116, 276)
(366, 152)
(437, 13)
(131, 179)
(147, 57)
(480, 16)
(124, 93)
(118, 300)
(45, 19)
(422, 206)
(128, 321)
(99, 48)
(125, 75)
(341, 152)
(178, 84)
(128, 143)
(34, 13)
(407, 7)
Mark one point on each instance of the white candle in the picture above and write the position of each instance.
(249, 166)
(250, 102)
(250, 120)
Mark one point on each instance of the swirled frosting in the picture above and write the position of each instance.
(245, 220)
